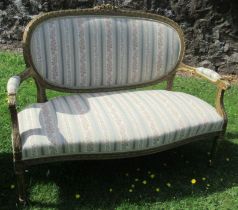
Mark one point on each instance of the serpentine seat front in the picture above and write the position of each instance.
(113, 122)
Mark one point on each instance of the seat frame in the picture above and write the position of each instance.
(41, 84)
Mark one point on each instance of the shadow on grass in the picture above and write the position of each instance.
(7, 180)
(232, 135)
(55, 185)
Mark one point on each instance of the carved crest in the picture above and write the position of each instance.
(105, 7)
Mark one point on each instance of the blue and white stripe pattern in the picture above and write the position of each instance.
(102, 51)
(113, 122)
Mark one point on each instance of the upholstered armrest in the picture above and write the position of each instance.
(12, 87)
(13, 84)
(206, 73)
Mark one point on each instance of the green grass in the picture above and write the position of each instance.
(54, 186)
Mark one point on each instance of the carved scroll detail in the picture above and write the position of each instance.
(105, 7)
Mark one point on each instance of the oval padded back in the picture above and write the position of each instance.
(91, 51)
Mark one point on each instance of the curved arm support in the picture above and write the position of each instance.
(170, 81)
(217, 80)
(219, 104)
(12, 87)
(41, 93)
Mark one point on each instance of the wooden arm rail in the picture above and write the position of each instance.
(222, 86)
(220, 83)
(14, 119)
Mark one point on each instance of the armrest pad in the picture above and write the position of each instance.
(13, 84)
(208, 73)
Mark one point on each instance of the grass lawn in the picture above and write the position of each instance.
(161, 181)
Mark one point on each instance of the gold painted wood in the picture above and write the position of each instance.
(222, 86)
(41, 92)
(170, 81)
(15, 134)
(105, 7)
(220, 83)
(11, 100)
(25, 74)
(14, 118)
(120, 155)
(219, 104)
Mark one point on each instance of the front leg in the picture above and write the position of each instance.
(12, 87)
(221, 110)
(20, 175)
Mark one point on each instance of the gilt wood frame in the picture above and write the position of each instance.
(42, 85)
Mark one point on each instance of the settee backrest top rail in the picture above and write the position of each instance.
(101, 49)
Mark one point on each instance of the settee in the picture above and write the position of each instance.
(102, 56)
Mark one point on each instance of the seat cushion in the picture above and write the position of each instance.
(113, 122)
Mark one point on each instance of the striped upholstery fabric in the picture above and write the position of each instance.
(113, 122)
(210, 74)
(103, 52)
(13, 84)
